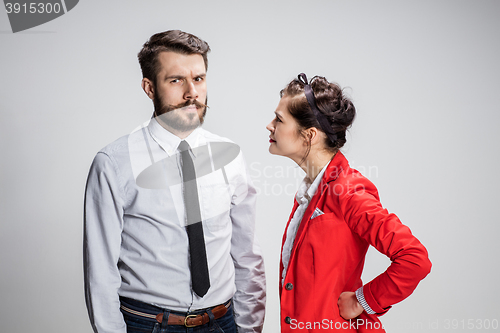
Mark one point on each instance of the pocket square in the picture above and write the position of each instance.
(317, 212)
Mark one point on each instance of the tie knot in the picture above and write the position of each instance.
(183, 146)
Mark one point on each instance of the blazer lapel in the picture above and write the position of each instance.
(295, 205)
(307, 216)
(332, 172)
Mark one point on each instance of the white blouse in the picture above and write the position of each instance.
(306, 191)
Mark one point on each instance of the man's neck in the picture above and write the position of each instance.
(180, 134)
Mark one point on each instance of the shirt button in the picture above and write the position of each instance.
(288, 320)
(289, 286)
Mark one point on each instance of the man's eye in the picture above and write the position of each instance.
(198, 79)
(174, 81)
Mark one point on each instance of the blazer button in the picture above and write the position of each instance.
(288, 320)
(289, 286)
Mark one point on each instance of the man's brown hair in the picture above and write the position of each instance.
(174, 41)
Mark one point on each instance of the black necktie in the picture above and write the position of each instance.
(197, 252)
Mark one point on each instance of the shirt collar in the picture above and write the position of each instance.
(307, 189)
(169, 142)
(337, 166)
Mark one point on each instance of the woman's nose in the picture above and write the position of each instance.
(270, 127)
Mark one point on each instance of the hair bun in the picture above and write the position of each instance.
(331, 101)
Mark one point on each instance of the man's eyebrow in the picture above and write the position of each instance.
(180, 77)
(175, 77)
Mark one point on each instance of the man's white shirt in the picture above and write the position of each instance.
(135, 241)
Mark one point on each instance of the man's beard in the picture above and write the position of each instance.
(171, 115)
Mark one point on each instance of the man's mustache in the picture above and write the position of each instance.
(168, 108)
(194, 102)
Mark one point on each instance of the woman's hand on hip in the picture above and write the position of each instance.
(349, 306)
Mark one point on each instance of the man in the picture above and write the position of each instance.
(169, 213)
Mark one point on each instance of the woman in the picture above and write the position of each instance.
(336, 216)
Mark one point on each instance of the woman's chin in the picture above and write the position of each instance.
(274, 152)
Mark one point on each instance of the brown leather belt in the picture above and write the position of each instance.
(188, 321)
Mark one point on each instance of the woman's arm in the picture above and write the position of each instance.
(365, 215)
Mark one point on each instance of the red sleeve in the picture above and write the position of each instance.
(365, 215)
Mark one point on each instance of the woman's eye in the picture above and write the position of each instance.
(278, 120)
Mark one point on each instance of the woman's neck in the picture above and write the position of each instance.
(315, 162)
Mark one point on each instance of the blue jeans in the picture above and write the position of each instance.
(138, 324)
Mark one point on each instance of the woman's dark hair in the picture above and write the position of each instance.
(174, 41)
(330, 101)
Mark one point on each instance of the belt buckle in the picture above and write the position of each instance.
(185, 320)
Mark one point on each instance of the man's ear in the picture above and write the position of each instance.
(148, 87)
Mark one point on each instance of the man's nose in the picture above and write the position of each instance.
(191, 92)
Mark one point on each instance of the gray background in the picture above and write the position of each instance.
(424, 76)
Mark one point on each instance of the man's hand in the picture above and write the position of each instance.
(349, 306)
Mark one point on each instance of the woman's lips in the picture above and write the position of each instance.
(271, 140)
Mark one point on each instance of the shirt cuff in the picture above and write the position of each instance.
(361, 299)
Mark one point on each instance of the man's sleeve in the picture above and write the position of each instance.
(250, 296)
(103, 224)
(383, 230)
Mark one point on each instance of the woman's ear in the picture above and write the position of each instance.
(316, 137)
(311, 135)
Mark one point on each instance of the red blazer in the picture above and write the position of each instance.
(329, 251)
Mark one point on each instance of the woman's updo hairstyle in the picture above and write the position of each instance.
(330, 101)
